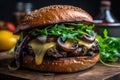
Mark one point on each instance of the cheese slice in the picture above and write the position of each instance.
(40, 49)
(88, 45)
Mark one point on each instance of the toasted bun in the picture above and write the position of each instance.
(64, 65)
(54, 14)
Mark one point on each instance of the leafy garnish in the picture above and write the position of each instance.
(109, 47)
(65, 32)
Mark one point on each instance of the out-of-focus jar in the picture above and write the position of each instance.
(106, 20)
(21, 10)
(19, 13)
(28, 8)
(105, 15)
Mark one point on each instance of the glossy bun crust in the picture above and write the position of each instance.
(63, 65)
(51, 15)
(54, 14)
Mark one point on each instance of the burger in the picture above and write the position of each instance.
(56, 38)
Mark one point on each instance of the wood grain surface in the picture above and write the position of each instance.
(97, 72)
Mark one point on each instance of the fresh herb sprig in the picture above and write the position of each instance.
(109, 48)
(64, 31)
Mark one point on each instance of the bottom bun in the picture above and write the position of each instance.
(67, 65)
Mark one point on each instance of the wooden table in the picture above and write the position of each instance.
(98, 72)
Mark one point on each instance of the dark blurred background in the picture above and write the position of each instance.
(7, 7)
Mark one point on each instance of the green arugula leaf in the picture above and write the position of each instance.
(64, 31)
(109, 47)
(105, 32)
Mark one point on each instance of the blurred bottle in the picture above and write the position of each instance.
(105, 15)
(21, 10)
(28, 8)
(19, 13)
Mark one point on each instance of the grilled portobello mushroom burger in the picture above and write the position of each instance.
(56, 38)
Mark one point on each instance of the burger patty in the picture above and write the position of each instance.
(56, 52)
(80, 51)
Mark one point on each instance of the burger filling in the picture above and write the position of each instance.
(56, 41)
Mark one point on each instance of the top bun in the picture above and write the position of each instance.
(54, 14)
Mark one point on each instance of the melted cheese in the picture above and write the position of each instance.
(40, 50)
(88, 45)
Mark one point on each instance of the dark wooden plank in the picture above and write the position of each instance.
(98, 72)
(5, 55)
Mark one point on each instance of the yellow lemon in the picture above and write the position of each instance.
(7, 40)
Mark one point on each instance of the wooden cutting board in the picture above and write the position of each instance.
(98, 72)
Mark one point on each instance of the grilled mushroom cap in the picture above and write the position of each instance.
(68, 45)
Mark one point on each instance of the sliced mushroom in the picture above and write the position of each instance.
(68, 45)
(88, 39)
